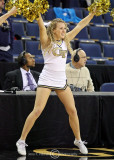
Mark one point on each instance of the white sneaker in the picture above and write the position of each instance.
(21, 158)
(83, 158)
(81, 146)
(21, 147)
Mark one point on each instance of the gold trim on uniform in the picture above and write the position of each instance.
(59, 43)
(61, 52)
(54, 88)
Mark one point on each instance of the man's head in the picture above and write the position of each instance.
(1, 5)
(79, 58)
(26, 60)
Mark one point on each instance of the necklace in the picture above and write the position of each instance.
(59, 42)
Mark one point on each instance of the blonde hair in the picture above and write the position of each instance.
(50, 29)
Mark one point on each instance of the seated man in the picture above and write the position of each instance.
(23, 78)
(78, 75)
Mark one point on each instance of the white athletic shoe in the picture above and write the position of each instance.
(21, 158)
(83, 158)
(21, 147)
(81, 146)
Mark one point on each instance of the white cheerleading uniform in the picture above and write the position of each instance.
(53, 74)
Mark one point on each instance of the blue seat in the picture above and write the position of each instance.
(39, 60)
(79, 13)
(32, 29)
(91, 62)
(109, 62)
(18, 28)
(112, 33)
(83, 34)
(100, 33)
(107, 87)
(95, 19)
(108, 50)
(92, 49)
(54, 3)
(71, 3)
(33, 47)
(108, 18)
(50, 14)
(17, 48)
(112, 3)
(17, 17)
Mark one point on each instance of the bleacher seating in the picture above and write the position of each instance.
(91, 62)
(112, 33)
(96, 19)
(79, 13)
(112, 3)
(107, 87)
(108, 18)
(109, 62)
(33, 48)
(108, 50)
(92, 50)
(71, 3)
(32, 29)
(100, 29)
(18, 29)
(50, 14)
(100, 33)
(83, 34)
(17, 48)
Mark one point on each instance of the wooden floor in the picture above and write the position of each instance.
(60, 154)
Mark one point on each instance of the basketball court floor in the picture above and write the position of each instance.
(60, 154)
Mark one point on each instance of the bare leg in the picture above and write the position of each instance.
(67, 99)
(42, 95)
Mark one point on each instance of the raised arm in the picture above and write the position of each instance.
(43, 34)
(80, 26)
(8, 14)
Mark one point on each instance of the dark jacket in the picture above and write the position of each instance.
(14, 79)
(6, 38)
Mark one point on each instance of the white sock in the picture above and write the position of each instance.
(21, 140)
(78, 140)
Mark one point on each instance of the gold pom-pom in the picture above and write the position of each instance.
(18, 3)
(29, 10)
(101, 5)
(41, 6)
